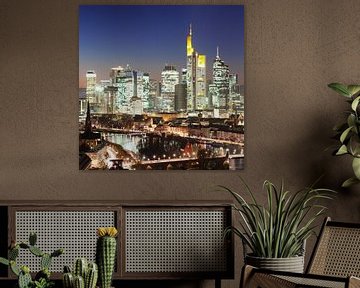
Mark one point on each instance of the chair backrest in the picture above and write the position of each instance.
(337, 251)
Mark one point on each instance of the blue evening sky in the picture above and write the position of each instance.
(148, 36)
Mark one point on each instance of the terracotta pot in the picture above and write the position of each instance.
(291, 264)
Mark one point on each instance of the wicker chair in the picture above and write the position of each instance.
(334, 263)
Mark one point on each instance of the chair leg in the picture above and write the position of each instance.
(217, 283)
(246, 273)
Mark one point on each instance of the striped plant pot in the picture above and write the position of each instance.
(291, 264)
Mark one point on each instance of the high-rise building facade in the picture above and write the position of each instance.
(109, 95)
(102, 97)
(180, 97)
(236, 100)
(90, 86)
(131, 83)
(221, 84)
(183, 76)
(201, 97)
(154, 95)
(145, 85)
(195, 77)
(125, 83)
(169, 78)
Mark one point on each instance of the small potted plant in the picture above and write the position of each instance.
(348, 132)
(42, 278)
(106, 254)
(84, 274)
(276, 233)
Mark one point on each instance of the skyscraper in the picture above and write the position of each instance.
(133, 86)
(154, 95)
(104, 97)
(169, 78)
(90, 86)
(195, 77)
(220, 87)
(180, 97)
(236, 102)
(125, 83)
(146, 91)
(183, 76)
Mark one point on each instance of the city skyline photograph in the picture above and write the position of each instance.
(161, 87)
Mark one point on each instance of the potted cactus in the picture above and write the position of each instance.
(42, 278)
(85, 275)
(106, 254)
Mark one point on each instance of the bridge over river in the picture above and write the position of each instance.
(185, 163)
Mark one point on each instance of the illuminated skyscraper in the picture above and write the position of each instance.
(169, 78)
(104, 96)
(220, 87)
(236, 101)
(154, 95)
(146, 91)
(90, 86)
(130, 84)
(125, 84)
(183, 76)
(195, 77)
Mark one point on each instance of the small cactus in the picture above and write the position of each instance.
(13, 253)
(44, 273)
(80, 268)
(14, 268)
(36, 251)
(32, 239)
(67, 269)
(24, 280)
(89, 272)
(106, 254)
(57, 252)
(79, 282)
(68, 280)
(42, 278)
(45, 261)
(91, 276)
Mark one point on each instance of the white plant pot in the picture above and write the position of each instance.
(291, 264)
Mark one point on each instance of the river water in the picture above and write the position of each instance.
(127, 141)
(130, 142)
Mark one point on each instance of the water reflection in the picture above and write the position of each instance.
(131, 143)
(128, 142)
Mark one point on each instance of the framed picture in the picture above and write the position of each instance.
(161, 87)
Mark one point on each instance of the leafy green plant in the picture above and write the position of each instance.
(348, 133)
(279, 229)
(42, 278)
(43, 283)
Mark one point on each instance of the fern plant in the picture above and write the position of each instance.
(348, 132)
(279, 229)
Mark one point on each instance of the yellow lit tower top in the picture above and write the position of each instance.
(189, 47)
